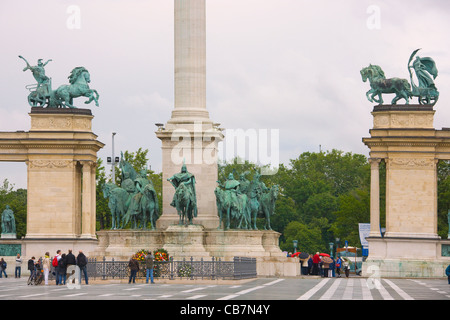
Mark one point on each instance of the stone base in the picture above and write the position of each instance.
(401, 268)
(406, 257)
(8, 236)
(39, 247)
(195, 241)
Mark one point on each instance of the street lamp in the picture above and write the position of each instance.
(113, 160)
(295, 242)
(331, 244)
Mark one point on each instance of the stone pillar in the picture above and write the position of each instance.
(87, 200)
(190, 60)
(374, 197)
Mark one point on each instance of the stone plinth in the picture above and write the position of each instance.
(197, 145)
(8, 236)
(195, 241)
(405, 139)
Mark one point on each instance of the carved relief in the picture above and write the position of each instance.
(395, 120)
(51, 123)
(61, 123)
(408, 163)
(51, 164)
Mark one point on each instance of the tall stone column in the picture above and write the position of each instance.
(190, 136)
(374, 197)
(190, 61)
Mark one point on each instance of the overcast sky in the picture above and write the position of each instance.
(286, 65)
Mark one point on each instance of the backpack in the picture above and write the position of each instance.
(4, 265)
(55, 262)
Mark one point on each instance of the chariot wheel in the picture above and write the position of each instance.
(36, 100)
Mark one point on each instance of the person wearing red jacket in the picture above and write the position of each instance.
(316, 261)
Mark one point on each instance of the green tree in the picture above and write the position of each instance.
(443, 197)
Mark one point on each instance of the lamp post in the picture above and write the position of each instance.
(337, 245)
(113, 160)
(295, 243)
(331, 244)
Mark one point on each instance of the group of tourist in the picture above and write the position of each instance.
(59, 265)
(133, 264)
(324, 266)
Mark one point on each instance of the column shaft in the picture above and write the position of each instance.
(86, 205)
(374, 197)
(190, 59)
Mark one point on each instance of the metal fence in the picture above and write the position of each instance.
(239, 268)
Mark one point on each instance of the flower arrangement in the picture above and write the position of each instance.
(140, 255)
(161, 255)
(184, 271)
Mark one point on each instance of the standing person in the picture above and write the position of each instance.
(82, 263)
(46, 267)
(3, 268)
(31, 268)
(310, 264)
(447, 272)
(325, 268)
(18, 269)
(338, 266)
(149, 266)
(62, 269)
(331, 270)
(133, 264)
(70, 263)
(346, 267)
(316, 261)
(55, 265)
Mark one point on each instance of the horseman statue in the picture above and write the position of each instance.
(135, 202)
(42, 95)
(240, 203)
(426, 92)
(185, 197)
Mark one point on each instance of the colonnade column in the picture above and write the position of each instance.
(374, 197)
(88, 200)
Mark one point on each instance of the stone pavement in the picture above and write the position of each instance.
(260, 289)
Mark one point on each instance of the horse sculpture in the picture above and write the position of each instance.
(117, 204)
(78, 79)
(380, 85)
(149, 206)
(268, 200)
(220, 201)
(234, 207)
(184, 204)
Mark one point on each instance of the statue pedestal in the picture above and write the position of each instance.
(8, 236)
(196, 144)
(197, 242)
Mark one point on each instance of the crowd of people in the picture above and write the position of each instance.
(60, 266)
(325, 266)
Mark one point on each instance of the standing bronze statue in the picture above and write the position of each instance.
(8, 221)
